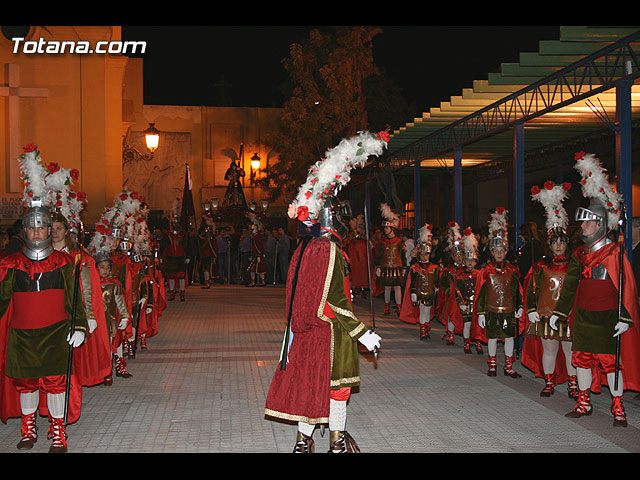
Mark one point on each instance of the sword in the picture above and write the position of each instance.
(376, 351)
(285, 348)
(74, 305)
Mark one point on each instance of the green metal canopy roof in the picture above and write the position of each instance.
(563, 91)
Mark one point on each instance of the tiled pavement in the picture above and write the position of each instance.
(202, 384)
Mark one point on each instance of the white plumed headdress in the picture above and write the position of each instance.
(327, 176)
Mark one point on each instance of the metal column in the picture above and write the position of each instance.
(417, 199)
(457, 168)
(518, 180)
(623, 154)
(367, 202)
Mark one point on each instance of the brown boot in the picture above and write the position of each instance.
(342, 442)
(29, 431)
(583, 405)
(120, 370)
(572, 387)
(491, 362)
(548, 389)
(58, 436)
(304, 444)
(508, 367)
(619, 416)
(425, 329)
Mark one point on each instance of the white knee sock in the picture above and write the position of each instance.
(29, 402)
(306, 428)
(398, 292)
(387, 294)
(55, 402)
(337, 415)
(181, 283)
(466, 330)
(172, 284)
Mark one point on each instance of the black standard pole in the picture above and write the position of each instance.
(373, 315)
(621, 222)
(74, 305)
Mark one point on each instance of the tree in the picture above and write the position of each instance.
(327, 101)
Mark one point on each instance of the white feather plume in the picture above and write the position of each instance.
(424, 233)
(453, 234)
(389, 215)
(327, 176)
(33, 173)
(469, 241)
(595, 184)
(498, 223)
(551, 197)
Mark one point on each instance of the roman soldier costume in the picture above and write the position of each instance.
(390, 259)
(36, 315)
(498, 301)
(447, 309)
(319, 363)
(208, 251)
(361, 262)
(542, 286)
(464, 285)
(175, 257)
(422, 285)
(590, 296)
(257, 264)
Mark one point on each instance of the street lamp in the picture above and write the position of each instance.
(152, 136)
(255, 166)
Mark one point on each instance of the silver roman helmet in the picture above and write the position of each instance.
(37, 216)
(595, 211)
(333, 218)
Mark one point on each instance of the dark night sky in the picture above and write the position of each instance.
(429, 63)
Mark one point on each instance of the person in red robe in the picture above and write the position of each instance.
(464, 284)
(319, 362)
(447, 309)
(93, 357)
(547, 352)
(361, 262)
(37, 286)
(421, 286)
(602, 312)
(498, 298)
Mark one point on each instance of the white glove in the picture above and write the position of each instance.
(371, 340)
(92, 324)
(148, 310)
(142, 302)
(123, 324)
(76, 339)
(414, 298)
(552, 322)
(519, 313)
(378, 272)
(534, 317)
(620, 328)
(482, 321)
(187, 260)
(464, 308)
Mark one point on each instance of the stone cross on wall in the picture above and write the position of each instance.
(13, 91)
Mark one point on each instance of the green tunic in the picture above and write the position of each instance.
(592, 330)
(41, 352)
